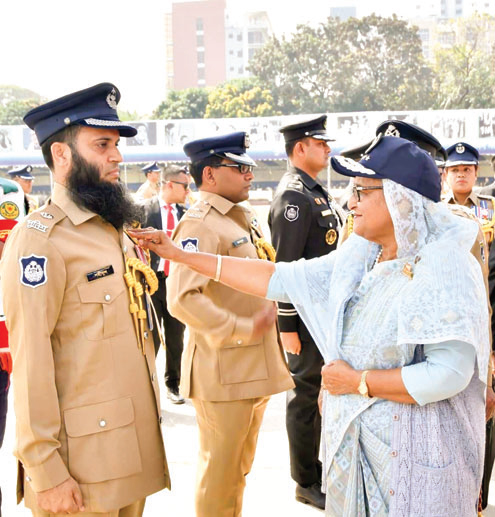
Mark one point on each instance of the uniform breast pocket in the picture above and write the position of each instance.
(104, 308)
(102, 441)
(244, 363)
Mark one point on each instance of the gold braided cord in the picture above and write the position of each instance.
(264, 249)
(137, 293)
(350, 224)
(149, 274)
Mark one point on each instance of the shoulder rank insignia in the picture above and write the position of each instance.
(46, 215)
(33, 270)
(36, 225)
(100, 273)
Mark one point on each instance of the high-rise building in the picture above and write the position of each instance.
(243, 40)
(205, 46)
(198, 29)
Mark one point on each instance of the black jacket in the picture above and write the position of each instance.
(153, 218)
(304, 223)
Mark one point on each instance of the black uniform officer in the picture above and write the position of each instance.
(304, 222)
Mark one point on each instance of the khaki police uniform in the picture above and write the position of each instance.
(147, 190)
(483, 208)
(86, 398)
(228, 376)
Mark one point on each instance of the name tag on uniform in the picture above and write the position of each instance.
(324, 213)
(100, 273)
(240, 241)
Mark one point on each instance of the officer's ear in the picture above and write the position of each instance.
(299, 149)
(62, 155)
(208, 176)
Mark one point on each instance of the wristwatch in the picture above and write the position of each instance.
(363, 387)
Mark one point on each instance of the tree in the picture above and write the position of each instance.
(15, 102)
(371, 63)
(465, 72)
(13, 112)
(240, 98)
(188, 103)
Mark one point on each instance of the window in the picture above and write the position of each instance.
(201, 74)
(239, 53)
(239, 37)
(199, 24)
(200, 40)
(255, 37)
(201, 57)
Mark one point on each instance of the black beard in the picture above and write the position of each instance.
(111, 201)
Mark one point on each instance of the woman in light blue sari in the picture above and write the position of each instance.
(400, 315)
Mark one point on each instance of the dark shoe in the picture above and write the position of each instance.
(174, 396)
(311, 495)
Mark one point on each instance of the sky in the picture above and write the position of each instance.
(54, 47)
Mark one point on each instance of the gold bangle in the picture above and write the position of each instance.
(219, 268)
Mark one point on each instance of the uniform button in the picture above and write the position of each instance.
(393, 454)
(160, 420)
(391, 491)
(153, 377)
(107, 297)
(28, 479)
(396, 417)
(102, 423)
(145, 334)
(239, 341)
(124, 249)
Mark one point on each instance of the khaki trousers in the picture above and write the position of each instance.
(133, 510)
(228, 433)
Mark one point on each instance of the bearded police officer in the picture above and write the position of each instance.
(305, 223)
(85, 390)
(229, 368)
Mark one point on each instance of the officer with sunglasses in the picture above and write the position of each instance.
(164, 212)
(232, 361)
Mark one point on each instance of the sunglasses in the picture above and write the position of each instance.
(185, 185)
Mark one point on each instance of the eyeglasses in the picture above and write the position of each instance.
(185, 185)
(356, 191)
(241, 167)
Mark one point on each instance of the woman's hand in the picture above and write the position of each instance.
(157, 241)
(339, 378)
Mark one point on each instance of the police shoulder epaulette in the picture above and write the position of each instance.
(487, 197)
(294, 182)
(198, 210)
(44, 219)
(462, 211)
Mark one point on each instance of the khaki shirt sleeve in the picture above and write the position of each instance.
(31, 316)
(187, 301)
